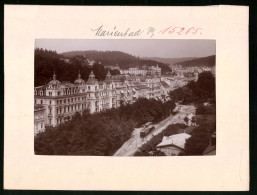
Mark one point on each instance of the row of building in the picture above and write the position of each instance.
(194, 71)
(153, 70)
(56, 102)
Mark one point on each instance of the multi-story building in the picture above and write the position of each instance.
(56, 102)
(62, 100)
(134, 71)
(153, 70)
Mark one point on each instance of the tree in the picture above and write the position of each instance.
(193, 120)
(115, 72)
(206, 81)
(198, 141)
(186, 119)
(201, 90)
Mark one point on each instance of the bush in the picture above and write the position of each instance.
(205, 110)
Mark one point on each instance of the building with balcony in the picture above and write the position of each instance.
(58, 101)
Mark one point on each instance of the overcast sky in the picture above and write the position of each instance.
(165, 48)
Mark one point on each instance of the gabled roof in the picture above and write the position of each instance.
(177, 140)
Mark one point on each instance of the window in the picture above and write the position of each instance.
(41, 101)
(50, 102)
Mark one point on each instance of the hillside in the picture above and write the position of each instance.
(113, 58)
(168, 60)
(200, 62)
(46, 62)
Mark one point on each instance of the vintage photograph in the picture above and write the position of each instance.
(123, 97)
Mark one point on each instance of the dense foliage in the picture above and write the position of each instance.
(169, 60)
(200, 62)
(203, 110)
(100, 133)
(196, 91)
(198, 141)
(46, 62)
(200, 136)
(150, 146)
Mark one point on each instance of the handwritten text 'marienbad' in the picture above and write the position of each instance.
(116, 33)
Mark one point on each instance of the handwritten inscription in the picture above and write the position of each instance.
(150, 31)
(181, 30)
(114, 32)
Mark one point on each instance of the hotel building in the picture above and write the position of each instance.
(56, 102)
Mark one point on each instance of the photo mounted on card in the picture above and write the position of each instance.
(125, 97)
(115, 101)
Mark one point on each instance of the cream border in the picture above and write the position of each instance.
(228, 170)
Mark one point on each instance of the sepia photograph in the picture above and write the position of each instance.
(128, 103)
(125, 97)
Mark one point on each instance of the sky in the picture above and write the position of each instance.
(164, 48)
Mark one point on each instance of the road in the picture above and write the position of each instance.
(131, 146)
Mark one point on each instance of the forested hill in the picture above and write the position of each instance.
(200, 62)
(169, 60)
(46, 62)
(113, 58)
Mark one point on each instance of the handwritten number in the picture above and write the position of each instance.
(163, 31)
(197, 30)
(181, 30)
(173, 30)
(189, 30)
